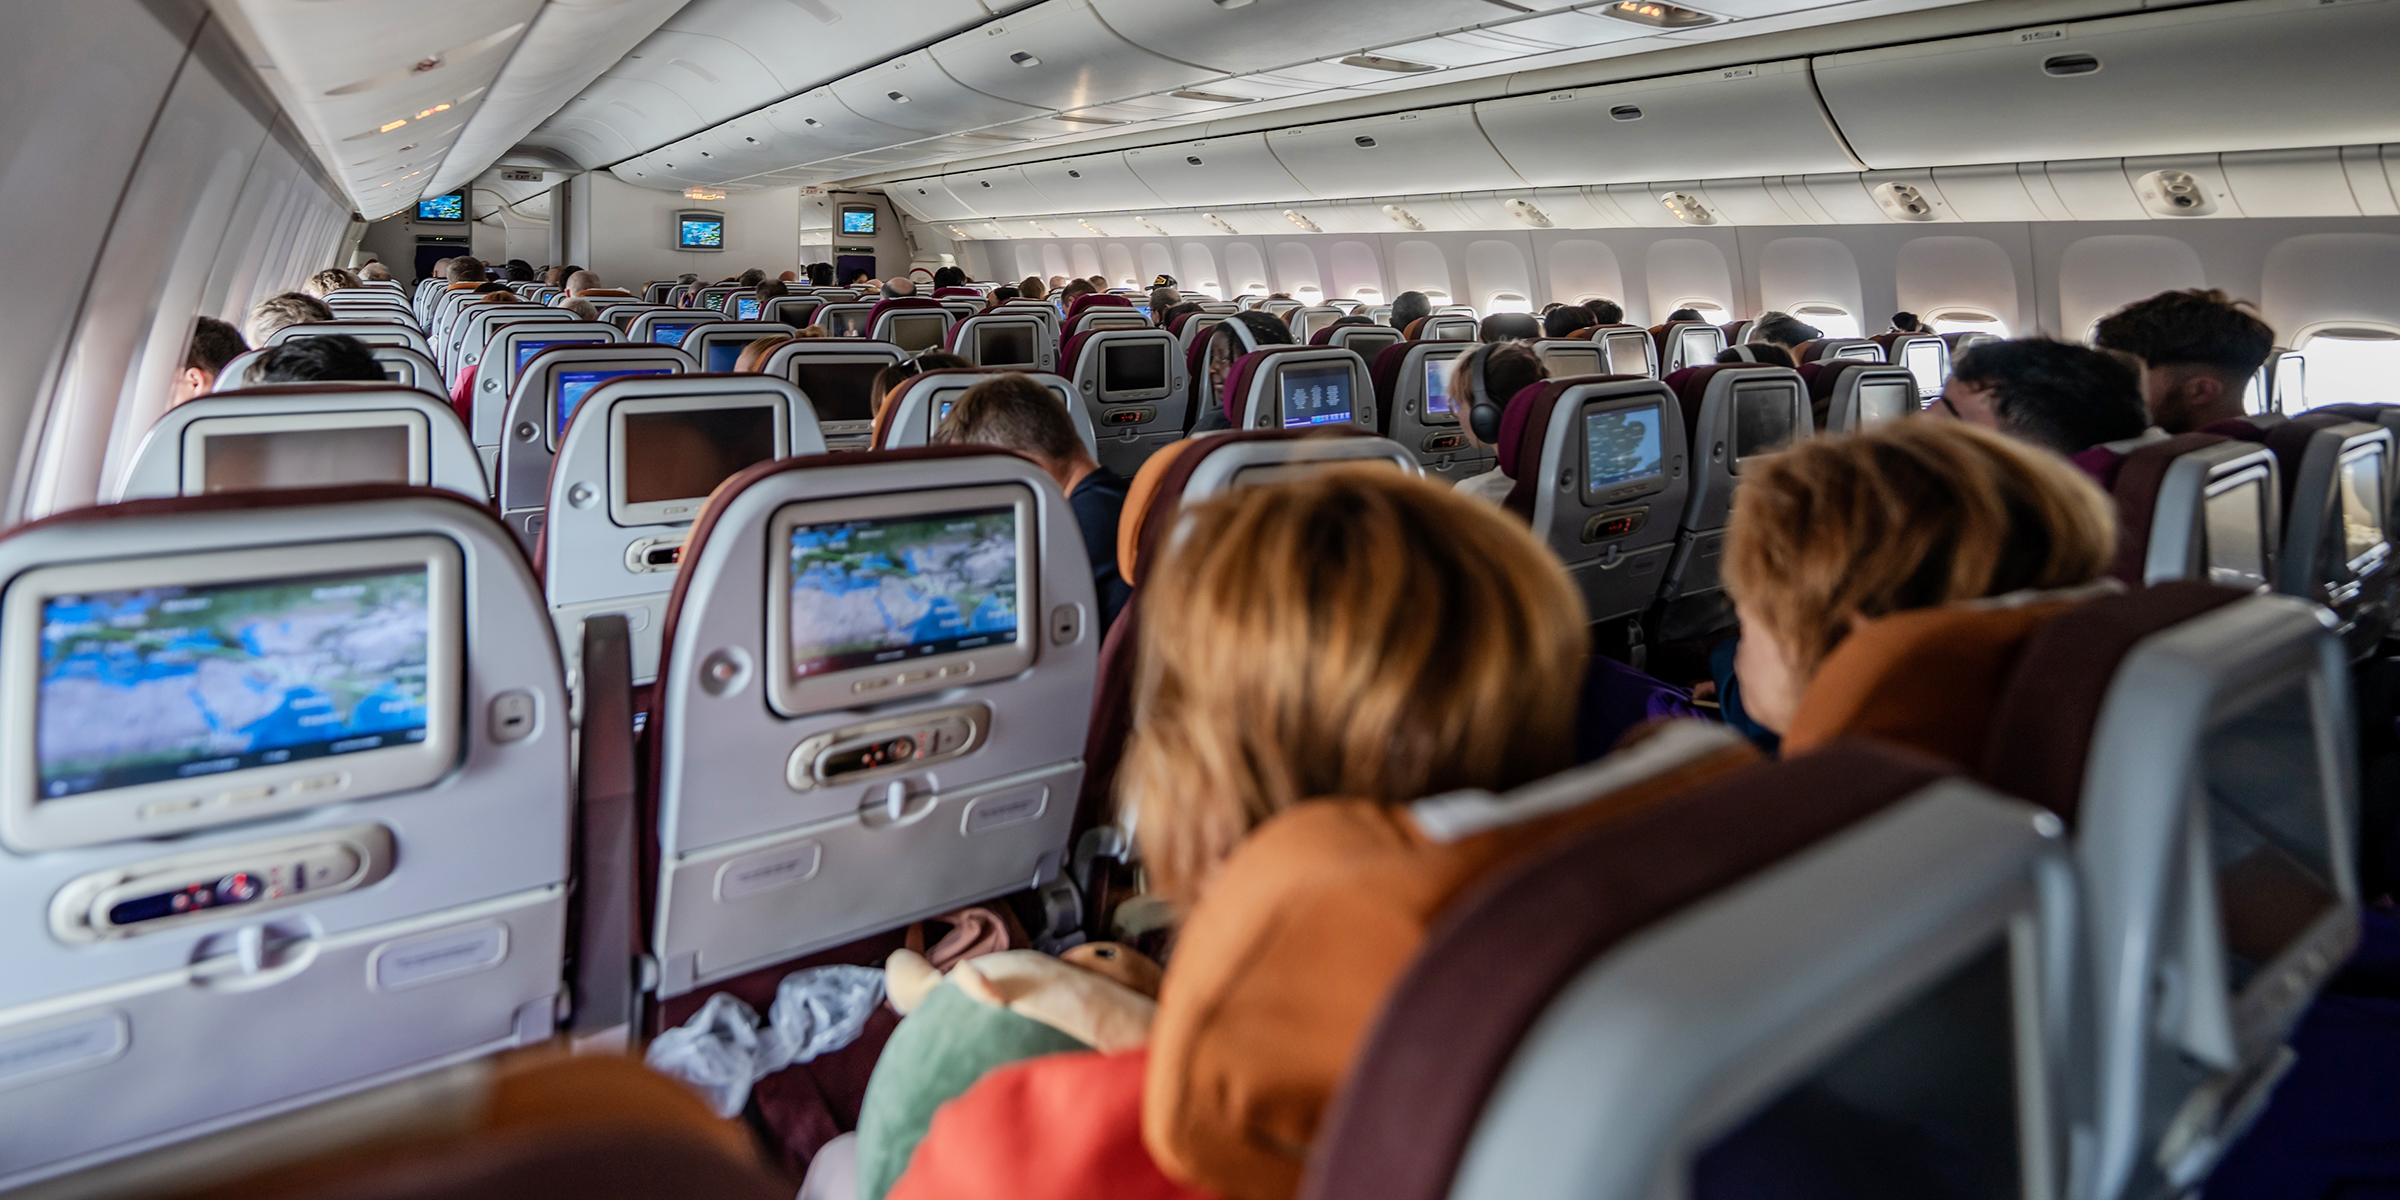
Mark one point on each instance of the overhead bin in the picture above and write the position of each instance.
(818, 120)
(1736, 121)
(1237, 169)
(914, 93)
(1058, 56)
(1393, 155)
(1092, 183)
(927, 199)
(1239, 39)
(1001, 192)
(2255, 74)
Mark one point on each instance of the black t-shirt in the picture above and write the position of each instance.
(1098, 501)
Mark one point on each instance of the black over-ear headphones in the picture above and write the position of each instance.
(1483, 415)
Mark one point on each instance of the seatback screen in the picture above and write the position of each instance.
(1316, 395)
(723, 353)
(685, 454)
(1861, 352)
(573, 386)
(1622, 445)
(2235, 525)
(1437, 386)
(844, 324)
(1922, 1104)
(672, 333)
(1629, 353)
(917, 331)
(1369, 345)
(745, 308)
(295, 458)
(2362, 506)
(180, 682)
(839, 391)
(1924, 360)
(1881, 400)
(527, 349)
(1563, 363)
(886, 590)
(1133, 367)
(2268, 831)
(1700, 345)
(1004, 346)
(1762, 420)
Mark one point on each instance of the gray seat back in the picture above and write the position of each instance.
(1135, 390)
(305, 435)
(553, 387)
(838, 377)
(924, 401)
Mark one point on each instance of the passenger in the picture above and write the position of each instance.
(1906, 322)
(1032, 288)
(1508, 368)
(753, 358)
(320, 359)
(2061, 396)
(331, 279)
(811, 331)
(214, 343)
(518, 271)
(585, 283)
(1015, 413)
(1166, 317)
(555, 276)
(1683, 314)
(2198, 350)
(1408, 308)
(820, 274)
(374, 272)
(688, 279)
(1224, 346)
(276, 312)
(949, 277)
(1004, 293)
(1907, 515)
(894, 289)
(465, 272)
(857, 276)
(770, 289)
(751, 277)
(1783, 330)
(1606, 312)
(1074, 288)
(1757, 352)
(1162, 299)
(583, 309)
(1568, 320)
(1057, 282)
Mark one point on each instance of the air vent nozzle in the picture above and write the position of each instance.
(1626, 112)
(2064, 65)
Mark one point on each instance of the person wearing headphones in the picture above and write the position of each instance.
(1483, 380)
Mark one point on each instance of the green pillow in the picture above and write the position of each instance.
(935, 1054)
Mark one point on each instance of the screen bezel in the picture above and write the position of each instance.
(2259, 484)
(1925, 390)
(1638, 341)
(853, 321)
(741, 338)
(688, 215)
(2366, 563)
(1588, 360)
(461, 219)
(681, 510)
(858, 210)
(548, 385)
(1447, 363)
(895, 321)
(855, 687)
(1032, 331)
(689, 325)
(29, 823)
(849, 359)
(1166, 370)
(1282, 373)
(1909, 404)
(1623, 489)
(1733, 419)
(194, 475)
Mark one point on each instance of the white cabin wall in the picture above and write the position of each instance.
(2013, 270)
(166, 183)
(632, 233)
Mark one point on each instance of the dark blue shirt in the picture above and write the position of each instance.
(1098, 501)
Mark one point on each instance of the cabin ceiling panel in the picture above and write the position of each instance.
(1394, 154)
(1262, 37)
(1736, 121)
(1059, 56)
(913, 92)
(2250, 75)
(1092, 183)
(1228, 170)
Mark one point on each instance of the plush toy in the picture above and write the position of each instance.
(987, 1012)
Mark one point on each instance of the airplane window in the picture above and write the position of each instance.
(1967, 320)
(1709, 310)
(1510, 302)
(2350, 367)
(1835, 322)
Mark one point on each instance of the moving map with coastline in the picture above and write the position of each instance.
(879, 590)
(165, 683)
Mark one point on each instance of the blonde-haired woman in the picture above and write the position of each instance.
(330, 280)
(1914, 514)
(1356, 633)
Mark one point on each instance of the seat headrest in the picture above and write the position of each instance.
(1505, 327)
(899, 303)
(1253, 1033)
(962, 292)
(1157, 489)
(1237, 378)
(1076, 307)
(1453, 1020)
(1415, 328)
(2138, 477)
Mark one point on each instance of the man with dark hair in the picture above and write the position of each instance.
(1076, 287)
(519, 271)
(1015, 413)
(1567, 320)
(947, 277)
(320, 359)
(820, 274)
(1683, 314)
(214, 343)
(1607, 312)
(1785, 330)
(1408, 308)
(770, 289)
(2066, 397)
(751, 278)
(1907, 322)
(2198, 350)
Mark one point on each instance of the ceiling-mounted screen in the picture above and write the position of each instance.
(452, 207)
(699, 231)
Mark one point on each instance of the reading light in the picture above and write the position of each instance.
(1023, 59)
(1656, 15)
(1527, 213)
(897, 98)
(1219, 222)
(1904, 203)
(1687, 208)
(394, 125)
(1297, 218)
(429, 112)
